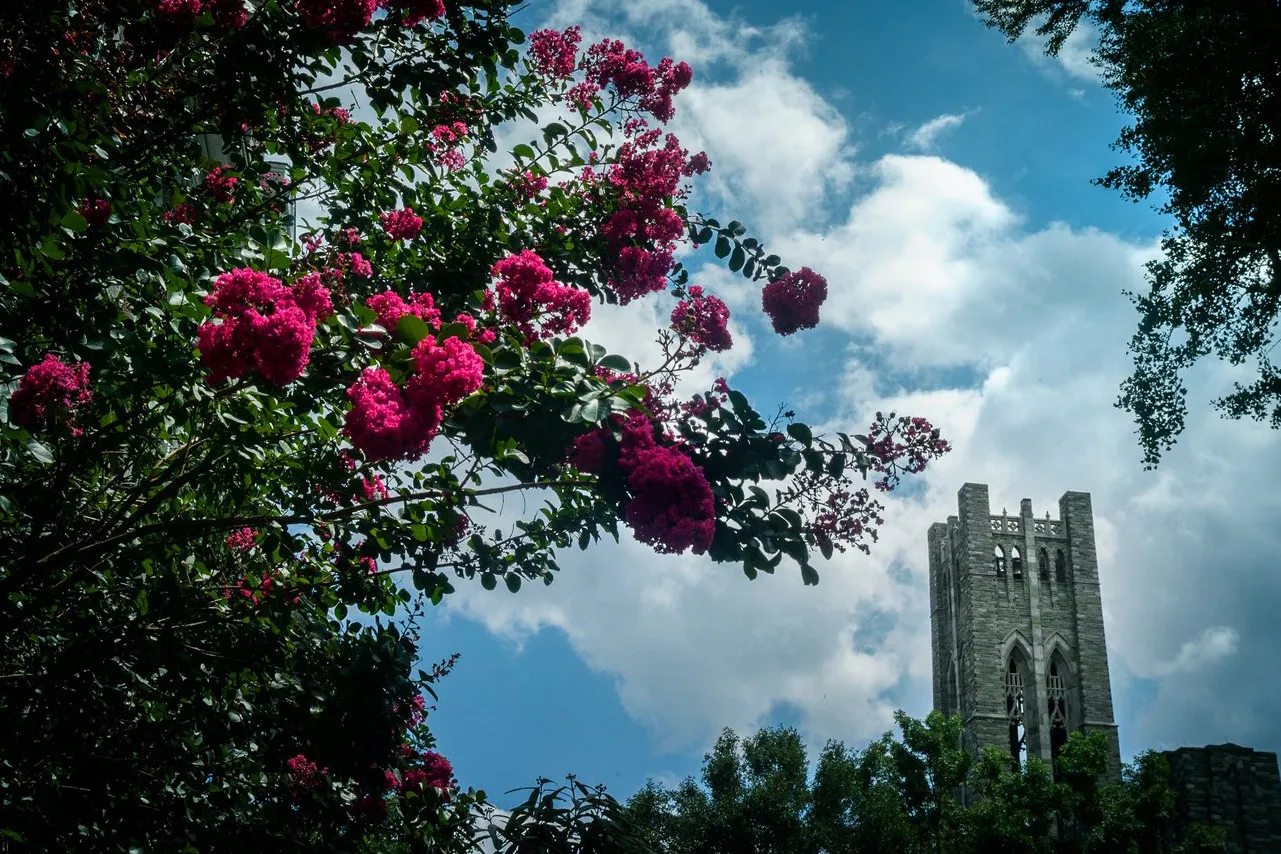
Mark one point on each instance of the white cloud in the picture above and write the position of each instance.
(777, 168)
(1207, 648)
(929, 269)
(924, 137)
(1074, 59)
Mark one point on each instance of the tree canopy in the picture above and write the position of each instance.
(918, 791)
(1202, 81)
(281, 322)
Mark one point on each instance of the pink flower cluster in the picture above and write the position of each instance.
(304, 773)
(340, 20)
(220, 187)
(611, 62)
(792, 300)
(912, 439)
(242, 540)
(445, 373)
(373, 488)
(185, 212)
(528, 295)
(444, 144)
(256, 594)
(49, 392)
(414, 12)
(844, 517)
(670, 504)
(417, 712)
(321, 138)
(227, 14)
(356, 264)
(434, 773)
(96, 212)
(701, 404)
(527, 185)
(401, 224)
(381, 423)
(390, 308)
(180, 12)
(555, 54)
(388, 422)
(643, 231)
(265, 326)
(703, 319)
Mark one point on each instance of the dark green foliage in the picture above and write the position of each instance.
(906, 795)
(1202, 81)
(207, 590)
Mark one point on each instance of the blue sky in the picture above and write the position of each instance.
(940, 179)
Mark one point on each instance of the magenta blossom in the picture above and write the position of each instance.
(402, 224)
(792, 301)
(49, 392)
(703, 319)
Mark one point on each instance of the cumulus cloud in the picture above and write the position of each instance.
(1022, 334)
(778, 167)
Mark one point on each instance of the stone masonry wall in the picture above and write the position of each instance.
(1232, 788)
(1093, 675)
(940, 620)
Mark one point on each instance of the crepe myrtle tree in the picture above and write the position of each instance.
(223, 435)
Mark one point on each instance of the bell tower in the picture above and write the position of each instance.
(1016, 627)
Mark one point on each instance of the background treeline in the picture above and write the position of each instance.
(899, 794)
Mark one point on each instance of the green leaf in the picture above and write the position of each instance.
(513, 582)
(51, 248)
(737, 259)
(488, 580)
(553, 131)
(340, 611)
(792, 518)
(836, 467)
(523, 151)
(621, 364)
(722, 246)
(800, 433)
(74, 221)
(412, 329)
(23, 287)
(409, 125)
(809, 574)
(39, 451)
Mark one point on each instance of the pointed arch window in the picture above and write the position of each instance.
(1056, 701)
(1015, 712)
(998, 560)
(1043, 565)
(1016, 563)
(1060, 566)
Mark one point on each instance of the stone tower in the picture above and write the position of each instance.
(1016, 626)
